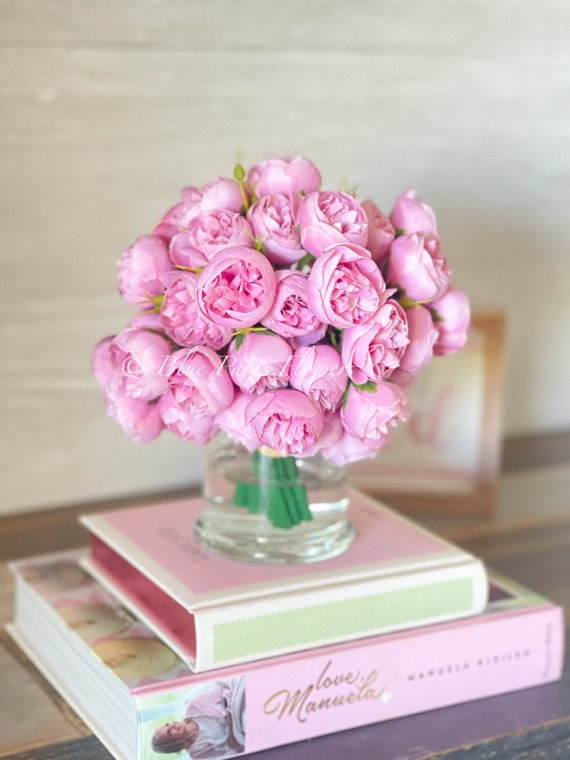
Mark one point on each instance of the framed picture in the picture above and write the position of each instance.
(446, 458)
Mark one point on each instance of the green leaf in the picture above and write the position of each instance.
(406, 302)
(239, 339)
(196, 270)
(306, 261)
(258, 245)
(369, 386)
(157, 301)
(335, 337)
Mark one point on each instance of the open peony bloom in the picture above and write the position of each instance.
(274, 222)
(318, 371)
(345, 286)
(286, 315)
(180, 317)
(286, 420)
(290, 314)
(372, 351)
(207, 234)
(236, 289)
(328, 218)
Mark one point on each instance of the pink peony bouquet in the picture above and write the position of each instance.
(288, 316)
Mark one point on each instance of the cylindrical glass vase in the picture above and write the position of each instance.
(262, 507)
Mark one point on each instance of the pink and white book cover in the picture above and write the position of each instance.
(518, 642)
(216, 612)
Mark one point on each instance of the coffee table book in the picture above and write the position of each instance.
(125, 683)
(215, 612)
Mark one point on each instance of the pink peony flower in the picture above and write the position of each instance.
(369, 415)
(422, 335)
(208, 233)
(146, 320)
(182, 321)
(138, 356)
(285, 176)
(349, 449)
(140, 269)
(345, 286)
(198, 389)
(198, 381)
(290, 315)
(220, 192)
(453, 317)
(351, 303)
(410, 215)
(102, 362)
(232, 420)
(318, 372)
(328, 218)
(129, 382)
(417, 266)
(237, 288)
(176, 218)
(285, 420)
(177, 419)
(373, 350)
(261, 363)
(274, 221)
(381, 232)
(330, 435)
(140, 420)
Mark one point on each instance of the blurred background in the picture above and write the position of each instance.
(109, 108)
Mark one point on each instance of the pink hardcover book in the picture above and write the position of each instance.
(140, 699)
(215, 612)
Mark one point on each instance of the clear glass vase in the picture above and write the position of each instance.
(261, 507)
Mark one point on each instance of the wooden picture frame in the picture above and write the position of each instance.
(446, 458)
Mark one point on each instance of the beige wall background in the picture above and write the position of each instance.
(109, 108)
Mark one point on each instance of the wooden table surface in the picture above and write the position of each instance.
(528, 539)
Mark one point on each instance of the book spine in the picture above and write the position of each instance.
(287, 623)
(212, 637)
(288, 699)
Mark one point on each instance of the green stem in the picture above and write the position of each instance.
(239, 175)
(277, 491)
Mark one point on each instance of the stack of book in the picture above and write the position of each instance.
(170, 649)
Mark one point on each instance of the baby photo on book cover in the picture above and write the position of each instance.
(209, 722)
